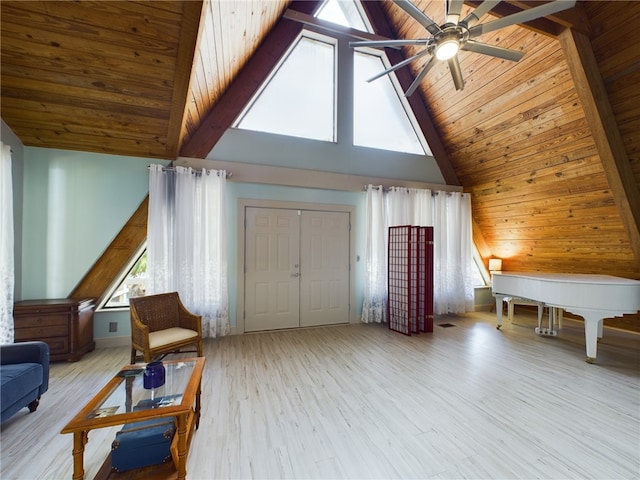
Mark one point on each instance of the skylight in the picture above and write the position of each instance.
(343, 12)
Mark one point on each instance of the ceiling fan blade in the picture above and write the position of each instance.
(485, 49)
(456, 72)
(522, 17)
(454, 8)
(421, 75)
(418, 16)
(399, 65)
(475, 15)
(389, 43)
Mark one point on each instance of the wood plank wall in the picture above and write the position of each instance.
(520, 144)
(616, 46)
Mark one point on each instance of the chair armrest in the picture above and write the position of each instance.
(28, 352)
(24, 352)
(139, 331)
(189, 320)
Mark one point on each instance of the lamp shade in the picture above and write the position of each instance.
(495, 264)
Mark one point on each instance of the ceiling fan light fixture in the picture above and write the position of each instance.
(447, 44)
(445, 41)
(447, 49)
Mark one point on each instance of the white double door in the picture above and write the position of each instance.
(296, 268)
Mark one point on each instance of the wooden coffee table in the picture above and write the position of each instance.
(124, 399)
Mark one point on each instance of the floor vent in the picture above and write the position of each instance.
(446, 325)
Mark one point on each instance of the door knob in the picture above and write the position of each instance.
(296, 274)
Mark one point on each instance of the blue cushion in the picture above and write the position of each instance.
(18, 379)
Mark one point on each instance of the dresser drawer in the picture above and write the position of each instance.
(40, 321)
(66, 324)
(39, 333)
(58, 345)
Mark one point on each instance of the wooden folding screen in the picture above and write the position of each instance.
(410, 279)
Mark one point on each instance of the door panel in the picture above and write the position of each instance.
(324, 268)
(272, 255)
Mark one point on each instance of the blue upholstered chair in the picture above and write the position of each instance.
(24, 376)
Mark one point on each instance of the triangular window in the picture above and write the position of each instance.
(131, 283)
(299, 98)
(344, 12)
(381, 118)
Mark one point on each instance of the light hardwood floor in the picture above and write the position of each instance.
(360, 402)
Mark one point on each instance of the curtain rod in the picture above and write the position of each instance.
(386, 189)
(193, 170)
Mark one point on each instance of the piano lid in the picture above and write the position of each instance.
(573, 277)
(616, 295)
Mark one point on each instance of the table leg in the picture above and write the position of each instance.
(79, 441)
(182, 446)
(128, 394)
(197, 412)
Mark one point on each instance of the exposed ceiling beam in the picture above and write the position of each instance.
(381, 26)
(550, 26)
(575, 17)
(312, 21)
(240, 92)
(602, 122)
(189, 27)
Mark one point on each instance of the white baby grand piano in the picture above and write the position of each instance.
(593, 297)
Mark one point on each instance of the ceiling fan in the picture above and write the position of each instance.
(455, 34)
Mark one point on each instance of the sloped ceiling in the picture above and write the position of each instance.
(107, 77)
(547, 147)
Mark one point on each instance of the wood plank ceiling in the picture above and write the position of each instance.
(108, 77)
(547, 147)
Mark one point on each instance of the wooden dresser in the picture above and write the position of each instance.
(65, 324)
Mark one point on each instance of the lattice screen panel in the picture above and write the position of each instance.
(410, 279)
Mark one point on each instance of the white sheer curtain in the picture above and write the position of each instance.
(7, 274)
(186, 242)
(450, 215)
(453, 253)
(375, 287)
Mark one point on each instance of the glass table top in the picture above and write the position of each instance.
(129, 394)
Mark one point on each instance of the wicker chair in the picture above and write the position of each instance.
(160, 324)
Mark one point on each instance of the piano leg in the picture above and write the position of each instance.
(499, 300)
(540, 311)
(592, 331)
(550, 330)
(559, 316)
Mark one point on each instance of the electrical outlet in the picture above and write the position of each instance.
(113, 326)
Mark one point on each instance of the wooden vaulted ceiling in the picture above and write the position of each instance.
(547, 147)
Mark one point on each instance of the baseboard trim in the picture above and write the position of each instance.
(110, 342)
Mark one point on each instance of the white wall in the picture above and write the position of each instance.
(75, 203)
(266, 149)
